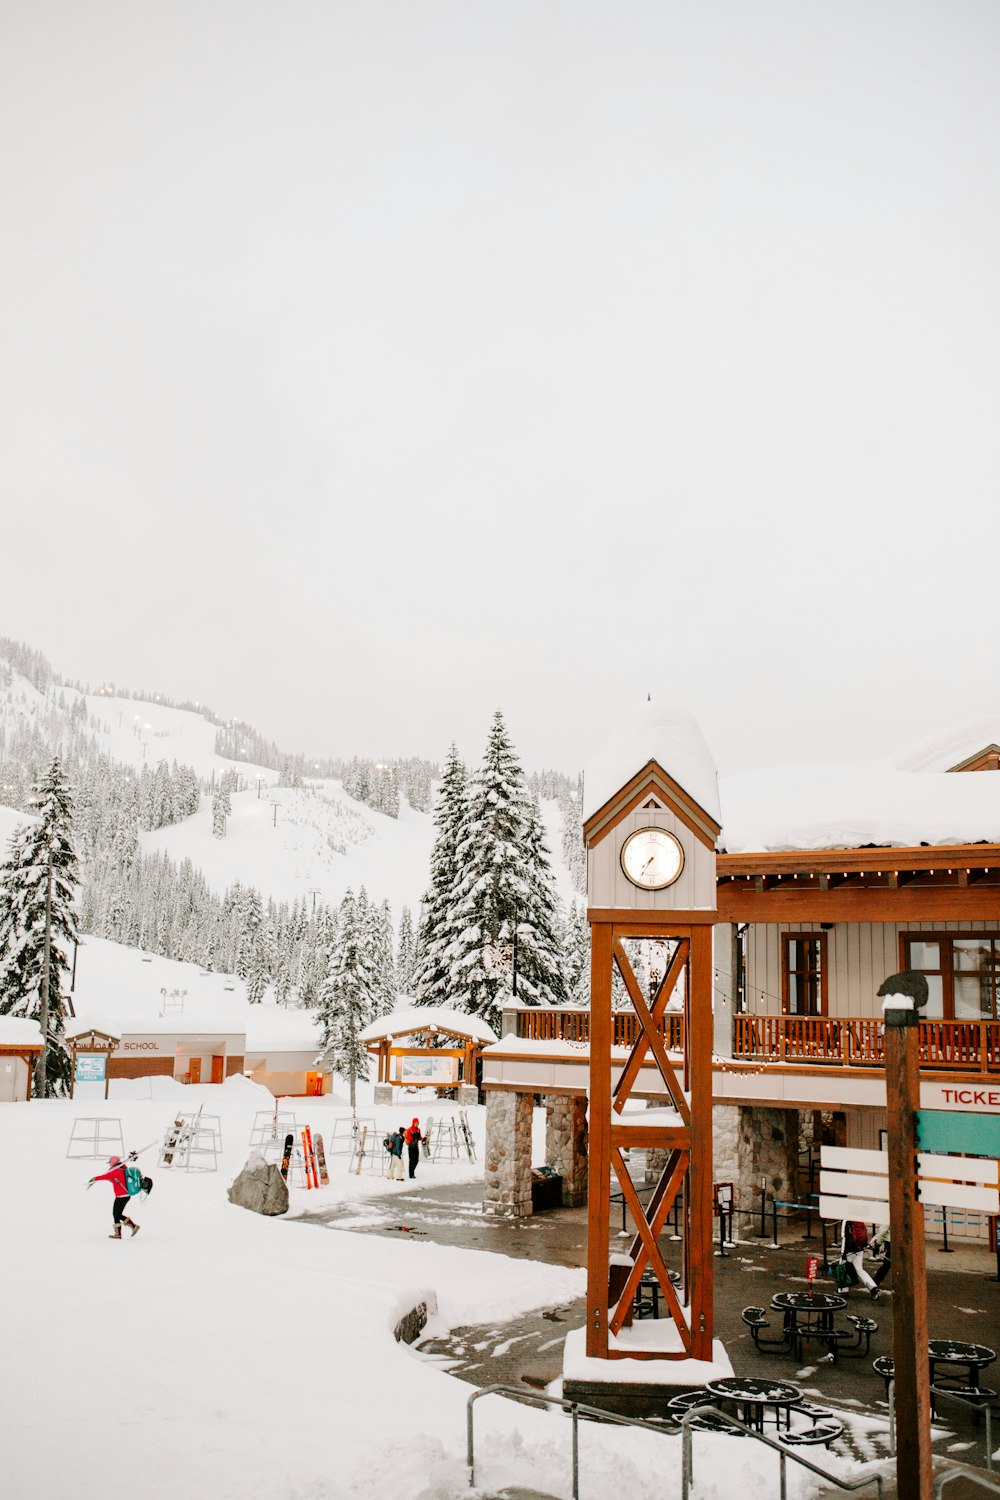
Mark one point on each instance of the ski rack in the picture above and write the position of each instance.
(446, 1145)
(366, 1146)
(269, 1131)
(99, 1142)
(191, 1135)
(343, 1136)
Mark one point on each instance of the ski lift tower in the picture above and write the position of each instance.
(651, 820)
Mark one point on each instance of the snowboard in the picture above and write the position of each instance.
(171, 1141)
(320, 1149)
(286, 1155)
(362, 1138)
(427, 1139)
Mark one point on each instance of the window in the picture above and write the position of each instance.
(803, 973)
(963, 973)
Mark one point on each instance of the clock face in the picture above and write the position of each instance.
(652, 858)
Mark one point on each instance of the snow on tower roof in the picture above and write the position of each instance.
(411, 1017)
(16, 1031)
(653, 731)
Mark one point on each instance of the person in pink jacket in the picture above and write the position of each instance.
(116, 1177)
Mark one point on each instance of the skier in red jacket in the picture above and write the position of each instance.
(413, 1139)
(116, 1177)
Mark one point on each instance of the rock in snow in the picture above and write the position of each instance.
(260, 1187)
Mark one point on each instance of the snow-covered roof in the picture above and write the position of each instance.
(93, 1022)
(848, 806)
(653, 731)
(411, 1017)
(948, 747)
(15, 1031)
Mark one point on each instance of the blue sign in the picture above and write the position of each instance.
(91, 1067)
(968, 1134)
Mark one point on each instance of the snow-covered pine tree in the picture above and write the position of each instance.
(221, 809)
(502, 905)
(577, 945)
(406, 953)
(345, 997)
(430, 979)
(38, 884)
(383, 962)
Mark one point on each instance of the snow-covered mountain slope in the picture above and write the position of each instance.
(290, 842)
(134, 732)
(125, 986)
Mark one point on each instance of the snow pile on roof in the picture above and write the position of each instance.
(849, 806)
(15, 1031)
(409, 1018)
(653, 731)
(948, 747)
(92, 1022)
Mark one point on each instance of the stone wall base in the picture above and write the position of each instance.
(566, 1145)
(507, 1187)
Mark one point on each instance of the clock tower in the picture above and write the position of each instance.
(651, 821)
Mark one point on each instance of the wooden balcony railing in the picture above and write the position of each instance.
(573, 1025)
(857, 1042)
(854, 1042)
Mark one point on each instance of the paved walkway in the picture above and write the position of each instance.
(963, 1303)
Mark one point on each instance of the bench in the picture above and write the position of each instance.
(756, 1318)
(825, 1431)
(885, 1367)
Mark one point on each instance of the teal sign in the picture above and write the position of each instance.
(90, 1068)
(971, 1135)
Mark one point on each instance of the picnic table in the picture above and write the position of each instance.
(647, 1293)
(808, 1314)
(752, 1397)
(953, 1356)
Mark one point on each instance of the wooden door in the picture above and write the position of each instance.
(194, 1070)
(314, 1083)
(218, 1070)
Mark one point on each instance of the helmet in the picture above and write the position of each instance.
(114, 1161)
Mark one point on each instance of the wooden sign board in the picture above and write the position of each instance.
(958, 1195)
(875, 1209)
(853, 1185)
(854, 1159)
(958, 1168)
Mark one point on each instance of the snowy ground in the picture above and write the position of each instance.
(223, 1355)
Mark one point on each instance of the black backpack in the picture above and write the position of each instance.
(387, 1142)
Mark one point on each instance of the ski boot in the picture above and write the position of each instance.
(132, 1225)
(116, 1233)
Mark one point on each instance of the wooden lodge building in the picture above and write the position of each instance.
(828, 879)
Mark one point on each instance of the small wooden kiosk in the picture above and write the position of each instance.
(91, 1048)
(427, 1046)
(20, 1046)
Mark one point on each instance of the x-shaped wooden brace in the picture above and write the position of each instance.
(649, 1038)
(648, 1231)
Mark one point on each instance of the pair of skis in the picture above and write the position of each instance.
(467, 1134)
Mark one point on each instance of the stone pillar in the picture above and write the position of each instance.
(726, 1145)
(566, 1145)
(507, 1190)
(767, 1148)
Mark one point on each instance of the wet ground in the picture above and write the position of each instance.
(963, 1303)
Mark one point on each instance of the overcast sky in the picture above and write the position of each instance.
(365, 367)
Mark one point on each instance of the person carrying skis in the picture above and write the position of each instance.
(413, 1139)
(116, 1177)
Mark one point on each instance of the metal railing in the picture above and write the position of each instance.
(857, 1042)
(593, 1413)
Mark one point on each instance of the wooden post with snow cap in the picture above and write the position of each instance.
(904, 996)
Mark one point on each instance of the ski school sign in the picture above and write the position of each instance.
(148, 1046)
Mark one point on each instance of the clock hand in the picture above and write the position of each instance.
(649, 861)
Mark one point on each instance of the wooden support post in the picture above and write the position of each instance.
(701, 1250)
(909, 1303)
(599, 1146)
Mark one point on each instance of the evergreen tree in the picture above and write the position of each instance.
(406, 953)
(383, 962)
(577, 946)
(502, 911)
(430, 979)
(345, 998)
(38, 884)
(221, 809)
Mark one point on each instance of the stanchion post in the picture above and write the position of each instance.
(944, 1249)
(903, 995)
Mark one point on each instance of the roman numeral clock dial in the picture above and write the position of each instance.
(652, 858)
